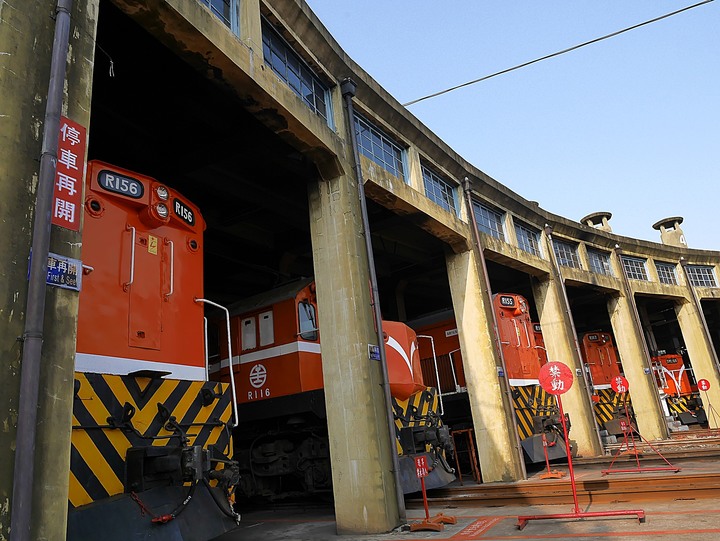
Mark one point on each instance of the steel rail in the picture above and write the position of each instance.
(607, 489)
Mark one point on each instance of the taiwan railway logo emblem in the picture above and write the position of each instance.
(258, 376)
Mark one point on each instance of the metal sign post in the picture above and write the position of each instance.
(556, 378)
(436, 523)
(621, 386)
(704, 386)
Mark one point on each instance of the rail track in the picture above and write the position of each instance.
(698, 479)
(606, 490)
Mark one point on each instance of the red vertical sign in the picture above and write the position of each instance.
(421, 466)
(67, 191)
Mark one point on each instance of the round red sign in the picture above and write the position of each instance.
(555, 377)
(703, 384)
(619, 384)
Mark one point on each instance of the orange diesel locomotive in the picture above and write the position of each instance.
(602, 365)
(151, 441)
(677, 387)
(535, 410)
(282, 443)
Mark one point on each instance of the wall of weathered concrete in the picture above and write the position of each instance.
(25, 47)
(360, 450)
(490, 406)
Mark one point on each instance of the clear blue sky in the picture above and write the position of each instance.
(628, 125)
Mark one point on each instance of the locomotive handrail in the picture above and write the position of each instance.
(437, 374)
(230, 356)
(452, 370)
(527, 334)
(517, 333)
(126, 285)
(172, 269)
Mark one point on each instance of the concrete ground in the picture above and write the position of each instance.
(688, 520)
(683, 518)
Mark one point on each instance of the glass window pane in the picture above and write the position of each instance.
(438, 190)
(666, 273)
(489, 221)
(566, 254)
(634, 268)
(288, 65)
(701, 276)
(600, 262)
(307, 320)
(375, 145)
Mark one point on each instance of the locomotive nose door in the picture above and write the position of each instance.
(145, 292)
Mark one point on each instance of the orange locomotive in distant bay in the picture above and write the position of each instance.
(282, 447)
(535, 410)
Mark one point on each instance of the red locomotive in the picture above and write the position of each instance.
(535, 410)
(602, 365)
(282, 447)
(150, 435)
(540, 343)
(600, 358)
(672, 376)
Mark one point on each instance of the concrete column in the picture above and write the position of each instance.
(414, 170)
(360, 449)
(561, 345)
(52, 447)
(634, 357)
(25, 46)
(250, 27)
(699, 347)
(490, 406)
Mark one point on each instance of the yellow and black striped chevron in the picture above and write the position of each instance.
(679, 405)
(113, 413)
(610, 405)
(530, 401)
(415, 411)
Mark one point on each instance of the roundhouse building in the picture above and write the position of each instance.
(245, 107)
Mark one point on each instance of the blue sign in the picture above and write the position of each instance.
(64, 272)
(374, 352)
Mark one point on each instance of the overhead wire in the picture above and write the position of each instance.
(558, 53)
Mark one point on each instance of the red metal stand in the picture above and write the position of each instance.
(436, 523)
(628, 434)
(475, 469)
(549, 474)
(523, 520)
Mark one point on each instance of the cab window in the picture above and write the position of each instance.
(308, 321)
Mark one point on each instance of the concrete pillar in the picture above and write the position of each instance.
(699, 348)
(25, 46)
(561, 345)
(490, 406)
(250, 27)
(360, 449)
(636, 366)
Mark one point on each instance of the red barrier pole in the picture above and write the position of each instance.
(425, 502)
(568, 451)
(556, 378)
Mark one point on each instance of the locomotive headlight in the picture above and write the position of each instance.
(162, 193)
(162, 210)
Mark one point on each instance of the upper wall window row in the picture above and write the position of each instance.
(226, 11)
(290, 68)
(701, 276)
(377, 146)
(600, 262)
(634, 268)
(489, 220)
(566, 254)
(438, 190)
(666, 273)
(528, 238)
